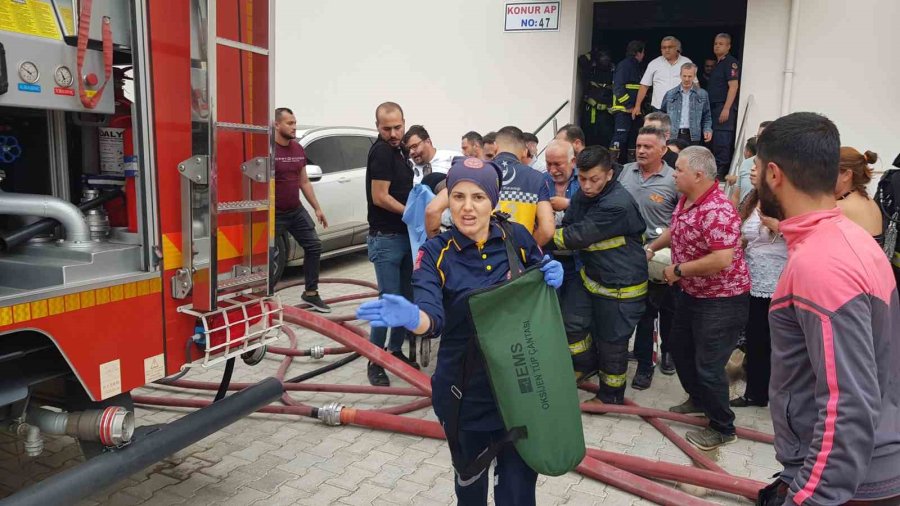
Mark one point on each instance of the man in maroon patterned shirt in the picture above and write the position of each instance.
(712, 303)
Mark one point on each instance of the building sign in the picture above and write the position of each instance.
(532, 17)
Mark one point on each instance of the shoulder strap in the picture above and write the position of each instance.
(515, 265)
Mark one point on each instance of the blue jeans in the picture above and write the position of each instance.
(704, 334)
(392, 257)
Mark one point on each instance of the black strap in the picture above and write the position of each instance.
(471, 361)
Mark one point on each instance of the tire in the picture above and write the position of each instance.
(279, 259)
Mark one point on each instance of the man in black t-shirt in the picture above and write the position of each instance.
(389, 179)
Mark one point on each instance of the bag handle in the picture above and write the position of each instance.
(515, 266)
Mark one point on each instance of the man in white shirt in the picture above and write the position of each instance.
(425, 158)
(663, 74)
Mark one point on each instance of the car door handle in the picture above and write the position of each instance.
(343, 179)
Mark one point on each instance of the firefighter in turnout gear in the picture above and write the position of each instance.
(604, 225)
(626, 83)
(596, 70)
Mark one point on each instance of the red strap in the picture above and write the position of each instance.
(84, 33)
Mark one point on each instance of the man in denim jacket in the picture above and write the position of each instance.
(688, 107)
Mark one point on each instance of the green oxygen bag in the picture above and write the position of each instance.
(519, 331)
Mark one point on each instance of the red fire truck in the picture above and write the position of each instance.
(136, 210)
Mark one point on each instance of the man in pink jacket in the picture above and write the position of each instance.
(835, 324)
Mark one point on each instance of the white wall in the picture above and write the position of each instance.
(847, 67)
(447, 63)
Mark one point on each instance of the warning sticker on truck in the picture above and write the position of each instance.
(29, 17)
(110, 379)
(154, 368)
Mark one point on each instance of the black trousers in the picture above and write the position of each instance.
(514, 482)
(759, 350)
(302, 228)
(659, 305)
(704, 334)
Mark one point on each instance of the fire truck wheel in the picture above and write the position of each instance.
(81, 402)
(279, 258)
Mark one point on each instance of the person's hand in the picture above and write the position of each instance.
(553, 272)
(771, 223)
(670, 276)
(559, 203)
(320, 216)
(635, 112)
(650, 254)
(724, 115)
(707, 136)
(390, 311)
(731, 179)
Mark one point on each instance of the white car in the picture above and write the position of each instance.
(336, 166)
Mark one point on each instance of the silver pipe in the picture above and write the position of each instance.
(45, 206)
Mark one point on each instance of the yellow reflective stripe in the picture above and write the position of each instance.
(581, 346)
(633, 86)
(628, 292)
(613, 242)
(558, 239)
(624, 98)
(896, 260)
(613, 380)
(437, 265)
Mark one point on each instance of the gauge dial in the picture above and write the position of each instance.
(63, 76)
(28, 72)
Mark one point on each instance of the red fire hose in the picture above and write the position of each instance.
(676, 472)
(636, 485)
(629, 473)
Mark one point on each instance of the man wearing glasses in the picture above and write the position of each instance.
(663, 74)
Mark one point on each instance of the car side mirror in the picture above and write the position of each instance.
(314, 172)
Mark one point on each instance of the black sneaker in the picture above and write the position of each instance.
(686, 408)
(316, 303)
(401, 356)
(642, 380)
(708, 439)
(743, 402)
(377, 376)
(667, 365)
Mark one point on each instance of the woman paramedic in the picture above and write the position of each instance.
(469, 256)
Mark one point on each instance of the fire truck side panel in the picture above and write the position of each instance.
(110, 336)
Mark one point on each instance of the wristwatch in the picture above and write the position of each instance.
(678, 270)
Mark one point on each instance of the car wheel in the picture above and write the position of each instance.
(279, 259)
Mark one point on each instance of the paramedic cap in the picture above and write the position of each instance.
(484, 174)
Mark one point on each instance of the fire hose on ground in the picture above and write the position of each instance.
(629, 473)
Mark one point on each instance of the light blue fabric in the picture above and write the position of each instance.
(744, 177)
(414, 215)
(685, 109)
(700, 115)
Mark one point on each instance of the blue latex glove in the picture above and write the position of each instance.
(391, 311)
(553, 272)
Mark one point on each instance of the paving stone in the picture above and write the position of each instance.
(188, 488)
(350, 478)
(165, 498)
(301, 462)
(387, 476)
(365, 494)
(326, 494)
(311, 479)
(146, 488)
(272, 481)
(224, 467)
(255, 450)
(286, 496)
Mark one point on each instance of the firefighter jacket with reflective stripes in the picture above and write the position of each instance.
(626, 83)
(608, 232)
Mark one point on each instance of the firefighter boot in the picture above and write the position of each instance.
(613, 359)
(584, 358)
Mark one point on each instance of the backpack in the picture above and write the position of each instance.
(888, 198)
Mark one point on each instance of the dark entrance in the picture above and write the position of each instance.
(694, 22)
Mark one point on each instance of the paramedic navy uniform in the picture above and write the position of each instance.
(727, 69)
(447, 268)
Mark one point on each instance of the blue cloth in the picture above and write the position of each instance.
(392, 258)
(414, 215)
(685, 110)
(448, 268)
(744, 177)
(701, 116)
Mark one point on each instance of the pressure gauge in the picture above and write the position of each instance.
(63, 76)
(28, 72)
